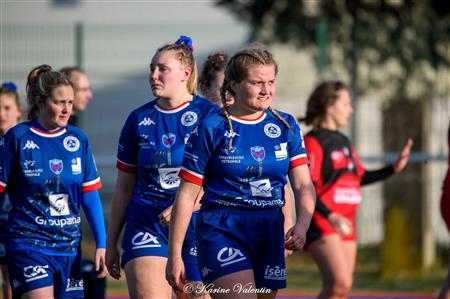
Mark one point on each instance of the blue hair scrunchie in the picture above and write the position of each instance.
(9, 86)
(185, 41)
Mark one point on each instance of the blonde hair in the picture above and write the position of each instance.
(186, 58)
(237, 71)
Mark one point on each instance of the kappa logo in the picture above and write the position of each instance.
(71, 143)
(272, 130)
(144, 240)
(34, 272)
(30, 145)
(147, 121)
(189, 118)
(229, 255)
(193, 251)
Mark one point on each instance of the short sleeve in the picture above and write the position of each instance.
(8, 150)
(197, 154)
(91, 180)
(296, 149)
(127, 148)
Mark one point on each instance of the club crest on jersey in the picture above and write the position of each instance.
(272, 130)
(258, 153)
(189, 118)
(71, 143)
(56, 166)
(168, 140)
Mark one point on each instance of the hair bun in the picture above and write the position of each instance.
(185, 41)
(9, 86)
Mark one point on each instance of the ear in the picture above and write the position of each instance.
(233, 86)
(187, 71)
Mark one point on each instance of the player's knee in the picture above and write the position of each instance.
(341, 287)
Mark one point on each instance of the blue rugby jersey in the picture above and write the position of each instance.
(252, 173)
(45, 174)
(152, 144)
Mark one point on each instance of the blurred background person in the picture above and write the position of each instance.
(150, 152)
(337, 175)
(48, 170)
(82, 89)
(445, 212)
(10, 113)
(211, 77)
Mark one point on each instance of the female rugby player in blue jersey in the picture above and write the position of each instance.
(241, 157)
(150, 152)
(10, 113)
(48, 170)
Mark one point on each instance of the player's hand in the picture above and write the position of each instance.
(100, 263)
(112, 259)
(175, 273)
(340, 223)
(402, 160)
(164, 216)
(295, 237)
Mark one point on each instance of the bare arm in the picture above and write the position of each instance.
(288, 210)
(181, 215)
(123, 191)
(305, 201)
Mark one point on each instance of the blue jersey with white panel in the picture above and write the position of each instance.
(45, 174)
(152, 144)
(252, 172)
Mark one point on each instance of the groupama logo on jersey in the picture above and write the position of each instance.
(56, 166)
(258, 153)
(168, 140)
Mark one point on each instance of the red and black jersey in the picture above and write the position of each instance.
(336, 172)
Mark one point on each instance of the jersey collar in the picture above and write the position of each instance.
(249, 121)
(36, 128)
(172, 110)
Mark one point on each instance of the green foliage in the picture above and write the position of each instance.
(399, 46)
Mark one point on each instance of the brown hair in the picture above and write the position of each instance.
(42, 80)
(323, 96)
(186, 57)
(70, 72)
(10, 89)
(214, 64)
(237, 71)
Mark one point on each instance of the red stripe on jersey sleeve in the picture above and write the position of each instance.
(2, 187)
(298, 162)
(95, 185)
(190, 177)
(126, 167)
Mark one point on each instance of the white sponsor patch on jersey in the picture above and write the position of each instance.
(261, 188)
(59, 204)
(168, 177)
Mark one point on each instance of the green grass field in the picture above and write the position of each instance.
(303, 275)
